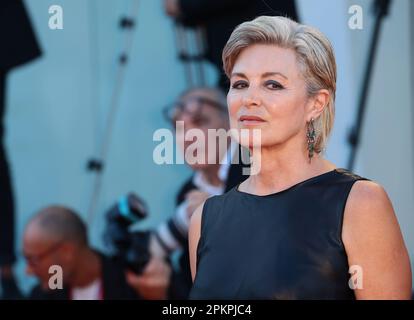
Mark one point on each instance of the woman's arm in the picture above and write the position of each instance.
(374, 243)
(193, 237)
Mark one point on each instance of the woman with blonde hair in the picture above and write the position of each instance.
(300, 228)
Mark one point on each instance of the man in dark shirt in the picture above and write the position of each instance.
(56, 238)
(203, 109)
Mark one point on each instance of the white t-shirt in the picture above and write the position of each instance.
(92, 291)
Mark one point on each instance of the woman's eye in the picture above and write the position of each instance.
(239, 85)
(274, 85)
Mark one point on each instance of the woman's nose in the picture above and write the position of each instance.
(251, 98)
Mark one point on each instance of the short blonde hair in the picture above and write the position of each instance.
(314, 54)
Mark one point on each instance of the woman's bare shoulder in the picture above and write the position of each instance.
(368, 208)
(374, 242)
(368, 199)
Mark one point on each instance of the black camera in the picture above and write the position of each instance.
(130, 247)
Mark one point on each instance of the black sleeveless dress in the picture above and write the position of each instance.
(286, 245)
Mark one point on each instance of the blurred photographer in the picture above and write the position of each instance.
(57, 236)
(203, 109)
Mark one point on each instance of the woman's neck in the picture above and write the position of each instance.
(282, 166)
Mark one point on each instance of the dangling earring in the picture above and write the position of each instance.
(311, 139)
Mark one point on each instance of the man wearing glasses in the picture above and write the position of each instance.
(201, 109)
(57, 237)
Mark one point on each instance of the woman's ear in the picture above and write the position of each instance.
(318, 103)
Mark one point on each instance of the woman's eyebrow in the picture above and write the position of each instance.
(238, 74)
(264, 75)
(269, 74)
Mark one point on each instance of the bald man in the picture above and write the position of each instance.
(56, 236)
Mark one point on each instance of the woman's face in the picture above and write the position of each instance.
(268, 93)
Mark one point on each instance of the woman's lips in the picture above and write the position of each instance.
(251, 120)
